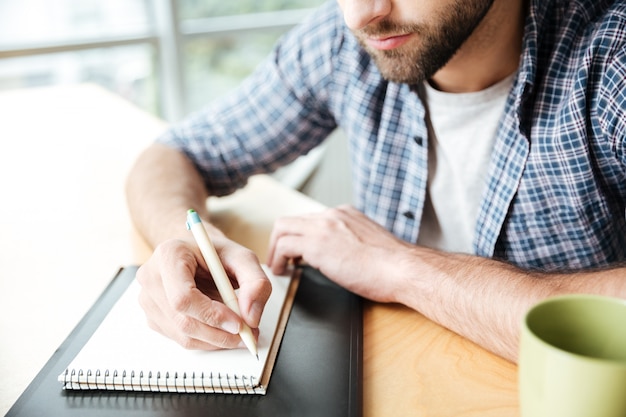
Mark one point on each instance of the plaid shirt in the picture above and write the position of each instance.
(555, 195)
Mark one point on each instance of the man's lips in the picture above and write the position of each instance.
(388, 42)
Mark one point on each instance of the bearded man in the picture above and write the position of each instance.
(488, 154)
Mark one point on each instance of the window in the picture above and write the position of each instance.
(194, 9)
(169, 57)
(24, 22)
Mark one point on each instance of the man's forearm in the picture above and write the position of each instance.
(160, 188)
(485, 300)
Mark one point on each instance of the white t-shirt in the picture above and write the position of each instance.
(462, 132)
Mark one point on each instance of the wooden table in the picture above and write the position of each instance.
(64, 231)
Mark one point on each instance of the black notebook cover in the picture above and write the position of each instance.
(317, 371)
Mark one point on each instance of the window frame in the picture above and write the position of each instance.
(167, 36)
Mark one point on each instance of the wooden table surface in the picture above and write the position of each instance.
(64, 231)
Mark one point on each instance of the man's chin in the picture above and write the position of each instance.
(400, 73)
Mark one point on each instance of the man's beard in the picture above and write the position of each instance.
(415, 62)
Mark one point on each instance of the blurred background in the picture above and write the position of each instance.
(168, 57)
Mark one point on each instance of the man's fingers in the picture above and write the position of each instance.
(312, 226)
(181, 301)
(254, 286)
(194, 304)
(186, 330)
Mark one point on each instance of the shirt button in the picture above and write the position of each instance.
(409, 215)
(418, 140)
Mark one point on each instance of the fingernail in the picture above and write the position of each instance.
(230, 327)
(255, 313)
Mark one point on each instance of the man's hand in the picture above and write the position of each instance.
(180, 299)
(346, 246)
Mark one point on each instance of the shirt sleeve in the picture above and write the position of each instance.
(612, 102)
(277, 114)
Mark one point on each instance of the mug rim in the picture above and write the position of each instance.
(573, 297)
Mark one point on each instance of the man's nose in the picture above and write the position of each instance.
(360, 13)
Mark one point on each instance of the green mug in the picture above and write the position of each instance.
(572, 359)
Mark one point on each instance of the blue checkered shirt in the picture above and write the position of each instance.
(555, 195)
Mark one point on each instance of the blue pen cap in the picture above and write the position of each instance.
(192, 218)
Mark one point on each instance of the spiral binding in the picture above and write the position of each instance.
(159, 381)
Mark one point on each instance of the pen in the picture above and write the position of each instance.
(219, 275)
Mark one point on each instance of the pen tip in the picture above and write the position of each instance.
(257, 356)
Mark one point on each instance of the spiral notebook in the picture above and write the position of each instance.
(124, 354)
(317, 371)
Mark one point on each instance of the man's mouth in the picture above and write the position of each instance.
(386, 43)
